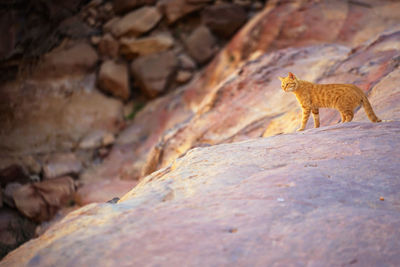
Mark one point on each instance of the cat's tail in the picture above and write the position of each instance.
(369, 111)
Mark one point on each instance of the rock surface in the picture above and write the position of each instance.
(311, 198)
(132, 47)
(201, 44)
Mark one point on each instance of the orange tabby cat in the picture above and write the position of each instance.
(311, 96)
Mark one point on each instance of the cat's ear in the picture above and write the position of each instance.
(291, 76)
(280, 78)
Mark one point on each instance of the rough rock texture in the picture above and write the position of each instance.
(137, 22)
(114, 79)
(40, 201)
(311, 198)
(154, 72)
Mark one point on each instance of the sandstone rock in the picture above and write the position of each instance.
(136, 22)
(14, 230)
(76, 59)
(132, 47)
(48, 116)
(176, 9)
(40, 201)
(224, 19)
(237, 105)
(114, 79)
(61, 164)
(122, 6)
(252, 196)
(108, 47)
(102, 191)
(154, 72)
(201, 44)
(13, 174)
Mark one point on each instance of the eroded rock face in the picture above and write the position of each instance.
(325, 196)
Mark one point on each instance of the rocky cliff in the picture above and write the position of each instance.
(325, 197)
(214, 154)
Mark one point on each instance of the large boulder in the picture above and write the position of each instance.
(114, 79)
(154, 73)
(40, 201)
(325, 196)
(137, 22)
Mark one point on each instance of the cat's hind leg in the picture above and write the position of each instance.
(315, 113)
(347, 115)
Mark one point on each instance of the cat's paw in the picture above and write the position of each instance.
(300, 129)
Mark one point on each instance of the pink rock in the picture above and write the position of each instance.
(310, 198)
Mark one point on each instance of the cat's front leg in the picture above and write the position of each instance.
(315, 113)
(306, 115)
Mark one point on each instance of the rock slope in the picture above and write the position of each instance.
(325, 196)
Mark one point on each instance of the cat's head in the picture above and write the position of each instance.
(289, 83)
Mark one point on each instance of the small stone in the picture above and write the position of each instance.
(33, 166)
(108, 139)
(183, 76)
(131, 47)
(381, 198)
(108, 7)
(13, 173)
(137, 22)
(95, 39)
(91, 21)
(108, 47)
(8, 194)
(113, 78)
(201, 44)
(122, 6)
(155, 72)
(110, 23)
(186, 62)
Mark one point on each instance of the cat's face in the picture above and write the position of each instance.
(289, 83)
